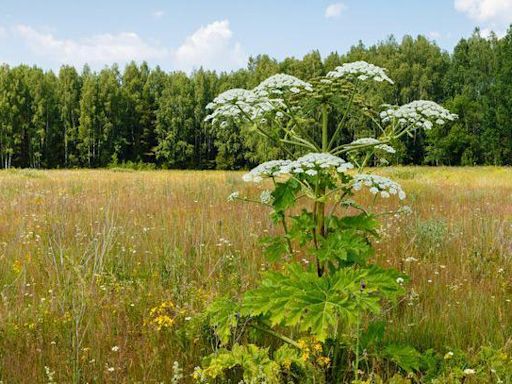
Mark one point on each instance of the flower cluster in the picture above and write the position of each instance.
(233, 196)
(163, 316)
(312, 163)
(271, 168)
(371, 142)
(278, 84)
(309, 164)
(378, 184)
(418, 114)
(360, 70)
(238, 103)
(266, 197)
(243, 104)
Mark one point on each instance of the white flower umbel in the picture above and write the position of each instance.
(266, 197)
(418, 114)
(240, 104)
(232, 104)
(378, 184)
(367, 142)
(360, 70)
(280, 83)
(273, 168)
(311, 163)
(233, 196)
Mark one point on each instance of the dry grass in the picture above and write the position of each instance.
(86, 255)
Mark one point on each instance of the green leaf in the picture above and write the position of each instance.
(384, 281)
(302, 227)
(253, 360)
(344, 246)
(222, 317)
(405, 356)
(286, 356)
(274, 247)
(364, 223)
(284, 194)
(302, 298)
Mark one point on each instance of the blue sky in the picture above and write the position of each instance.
(223, 34)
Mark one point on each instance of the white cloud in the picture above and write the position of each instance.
(211, 47)
(334, 10)
(486, 10)
(95, 50)
(495, 15)
(158, 14)
(434, 35)
(487, 32)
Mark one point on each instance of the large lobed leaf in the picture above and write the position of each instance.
(222, 317)
(317, 304)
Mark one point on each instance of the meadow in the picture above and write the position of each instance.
(103, 271)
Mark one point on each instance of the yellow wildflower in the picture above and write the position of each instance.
(323, 361)
(17, 267)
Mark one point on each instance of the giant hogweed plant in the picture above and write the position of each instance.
(321, 314)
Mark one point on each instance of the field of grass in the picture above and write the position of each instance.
(101, 271)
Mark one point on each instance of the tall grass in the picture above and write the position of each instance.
(86, 255)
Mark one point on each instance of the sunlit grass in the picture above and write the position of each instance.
(86, 255)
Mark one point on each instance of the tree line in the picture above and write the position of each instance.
(145, 115)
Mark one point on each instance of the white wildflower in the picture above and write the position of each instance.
(266, 197)
(115, 348)
(360, 70)
(400, 280)
(418, 114)
(177, 373)
(405, 210)
(377, 184)
(314, 162)
(469, 371)
(271, 168)
(277, 84)
(386, 148)
(367, 142)
(239, 104)
(233, 196)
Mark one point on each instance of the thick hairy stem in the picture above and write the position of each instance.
(288, 242)
(320, 227)
(356, 362)
(285, 228)
(275, 334)
(345, 115)
(325, 133)
(318, 214)
(320, 190)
